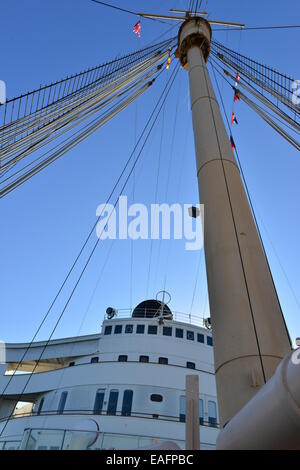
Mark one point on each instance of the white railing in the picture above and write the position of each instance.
(177, 316)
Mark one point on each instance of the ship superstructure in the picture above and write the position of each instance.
(123, 388)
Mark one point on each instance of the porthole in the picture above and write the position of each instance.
(157, 398)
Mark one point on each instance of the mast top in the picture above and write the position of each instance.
(194, 31)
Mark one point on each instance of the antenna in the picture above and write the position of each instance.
(161, 316)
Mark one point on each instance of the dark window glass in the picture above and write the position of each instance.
(190, 335)
(41, 403)
(191, 365)
(127, 403)
(156, 397)
(179, 333)
(144, 358)
(212, 413)
(209, 340)
(107, 330)
(99, 399)
(201, 412)
(182, 409)
(140, 329)
(123, 358)
(163, 360)
(112, 402)
(94, 360)
(72, 364)
(152, 329)
(200, 338)
(62, 402)
(118, 329)
(129, 329)
(167, 331)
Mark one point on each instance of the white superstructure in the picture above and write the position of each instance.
(121, 389)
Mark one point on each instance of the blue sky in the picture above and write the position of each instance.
(44, 223)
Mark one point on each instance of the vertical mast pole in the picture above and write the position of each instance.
(249, 332)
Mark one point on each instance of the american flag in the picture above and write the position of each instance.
(137, 29)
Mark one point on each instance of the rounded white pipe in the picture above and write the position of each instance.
(271, 420)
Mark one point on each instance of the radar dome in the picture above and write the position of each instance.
(150, 309)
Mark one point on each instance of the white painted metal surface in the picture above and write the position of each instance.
(271, 420)
(149, 423)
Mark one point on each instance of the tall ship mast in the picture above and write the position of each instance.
(127, 387)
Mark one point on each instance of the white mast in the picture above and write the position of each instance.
(250, 335)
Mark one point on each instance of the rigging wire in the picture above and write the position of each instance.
(83, 109)
(155, 196)
(196, 282)
(84, 245)
(251, 207)
(265, 115)
(162, 98)
(169, 172)
(130, 12)
(277, 84)
(257, 28)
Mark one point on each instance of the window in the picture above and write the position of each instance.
(99, 399)
(40, 407)
(200, 338)
(212, 413)
(182, 408)
(140, 329)
(152, 329)
(72, 364)
(112, 402)
(94, 360)
(127, 402)
(107, 330)
(123, 358)
(118, 329)
(191, 365)
(156, 397)
(190, 335)
(163, 360)
(129, 329)
(167, 331)
(144, 358)
(62, 402)
(209, 341)
(179, 333)
(201, 412)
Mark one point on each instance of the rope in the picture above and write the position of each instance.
(126, 11)
(162, 98)
(123, 87)
(252, 209)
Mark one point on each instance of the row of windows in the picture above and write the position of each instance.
(99, 401)
(94, 360)
(124, 358)
(161, 360)
(127, 404)
(212, 411)
(153, 330)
